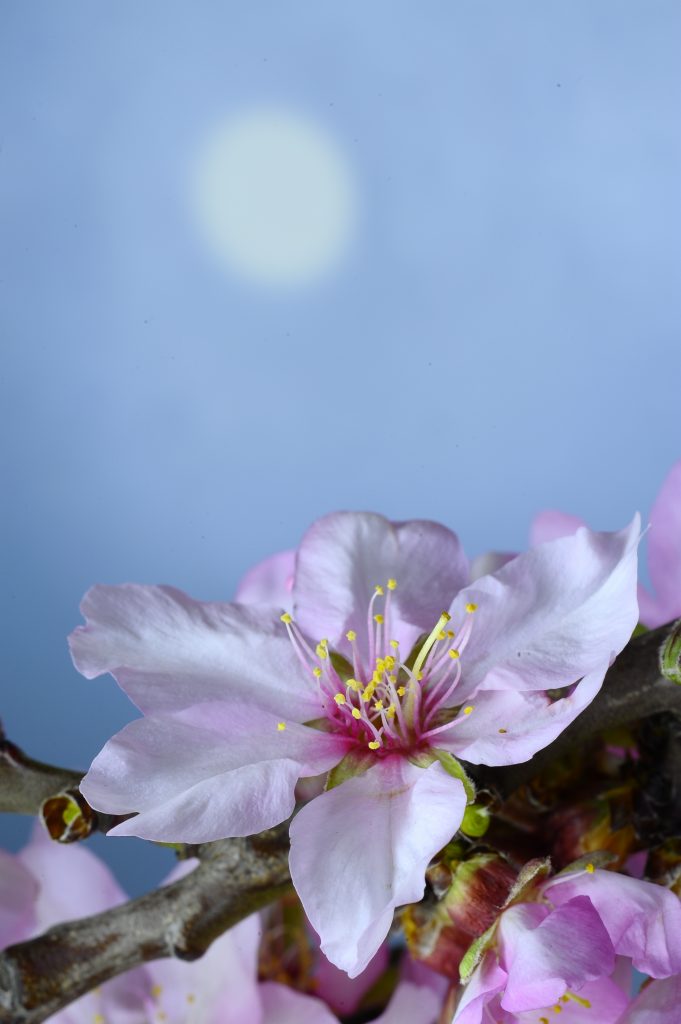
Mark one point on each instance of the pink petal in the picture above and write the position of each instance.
(658, 1003)
(642, 919)
(361, 849)
(72, 881)
(664, 547)
(167, 651)
(344, 994)
(411, 1004)
(270, 582)
(208, 772)
(506, 727)
(282, 1005)
(219, 988)
(553, 614)
(567, 948)
(18, 891)
(551, 524)
(486, 981)
(344, 556)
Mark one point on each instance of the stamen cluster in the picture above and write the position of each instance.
(386, 701)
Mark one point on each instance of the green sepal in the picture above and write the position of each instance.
(355, 763)
(526, 880)
(476, 821)
(670, 655)
(456, 769)
(476, 951)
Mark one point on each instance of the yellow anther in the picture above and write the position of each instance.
(98, 1019)
(544, 1020)
(471, 607)
(394, 644)
(378, 705)
(442, 635)
(590, 868)
(351, 635)
(376, 678)
(379, 590)
(390, 712)
(578, 999)
(374, 745)
(451, 634)
(454, 653)
(155, 991)
(380, 665)
(392, 584)
(353, 684)
(502, 731)
(379, 619)
(339, 698)
(356, 713)
(388, 663)
(401, 690)
(316, 671)
(281, 726)
(368, 691)
(286, 618)
(429, 641)
(392, 679)
(467, 710)
(321, 650)
(557, 1008)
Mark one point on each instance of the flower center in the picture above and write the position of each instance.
(388, 701)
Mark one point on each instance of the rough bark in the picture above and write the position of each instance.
(235, 878)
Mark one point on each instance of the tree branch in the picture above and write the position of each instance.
(25, 783)
(235, 878)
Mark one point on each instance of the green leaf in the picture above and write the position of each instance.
(456, 769)
(670, 654)
(355, 763)
(476, 821)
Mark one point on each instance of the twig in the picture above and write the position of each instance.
(235, 878)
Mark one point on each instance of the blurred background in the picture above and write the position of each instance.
(262, 261)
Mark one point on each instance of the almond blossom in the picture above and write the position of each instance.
(569, 951)
(47, 883)
(388, 669)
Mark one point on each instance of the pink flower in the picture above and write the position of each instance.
(239, 702)
(664, 549)
(571, 951)
(54, 883)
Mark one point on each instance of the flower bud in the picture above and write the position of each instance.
(466, 897)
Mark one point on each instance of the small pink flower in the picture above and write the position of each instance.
(570, 951)
(241, 701)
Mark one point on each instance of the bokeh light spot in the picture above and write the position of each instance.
(275, 197)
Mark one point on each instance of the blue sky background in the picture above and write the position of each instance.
(500, 334)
